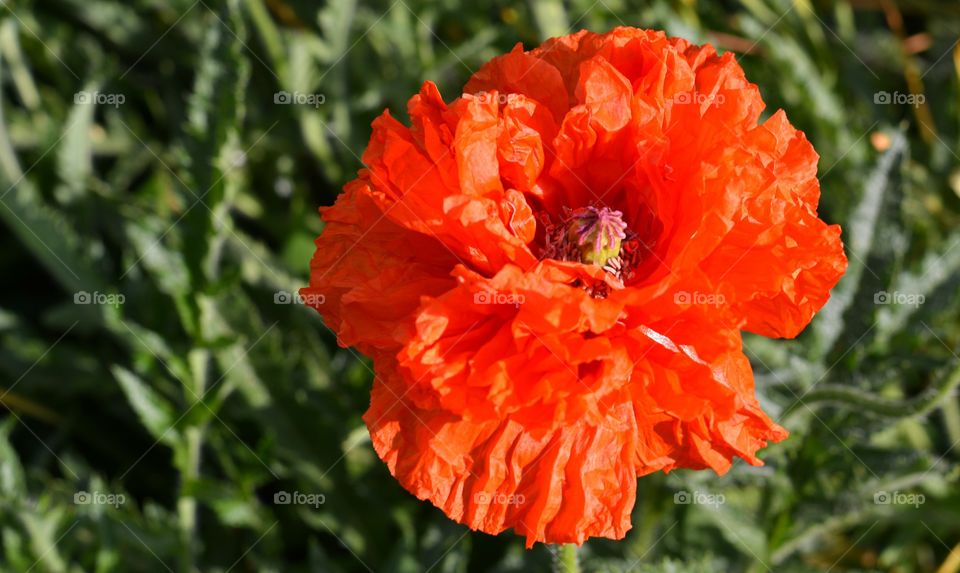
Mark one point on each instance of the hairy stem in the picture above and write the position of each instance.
(864, 401)
(566, 560)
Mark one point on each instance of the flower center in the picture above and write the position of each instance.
(597, 234)
(594, 236)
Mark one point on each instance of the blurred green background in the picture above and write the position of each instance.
(162, 391)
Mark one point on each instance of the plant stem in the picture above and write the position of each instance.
(187, 503)
(566, 559)
(864, 401)
(189, 464)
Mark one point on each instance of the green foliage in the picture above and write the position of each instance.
(183, 206)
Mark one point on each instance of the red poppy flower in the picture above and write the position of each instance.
(551, 274)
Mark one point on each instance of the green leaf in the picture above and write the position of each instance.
(937, 270)
(12, 480)
(211, 152)
(155, 412)
(51, 239)
(550, 16)
(74, 154)
(859, 239)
